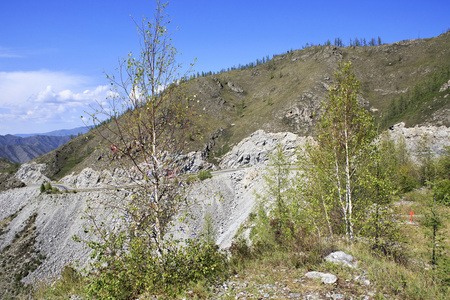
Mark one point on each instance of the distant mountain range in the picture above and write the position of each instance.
(62, 132)
(22, 148)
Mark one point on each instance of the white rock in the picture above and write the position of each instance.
(32, 173)
(254, 150)
(437, 138)
(342, 258)
(326, 278)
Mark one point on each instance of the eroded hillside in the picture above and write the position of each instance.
(285, 94)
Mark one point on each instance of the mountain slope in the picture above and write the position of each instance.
(285, 94)
(21, 150)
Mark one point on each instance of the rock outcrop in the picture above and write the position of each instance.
(89, 178)
(342, 258)
(235, 87)
(8, 181)
(445, 87)
(326, 278)
(254, 150)
(32, 173)
(194, 162)
(436, 138)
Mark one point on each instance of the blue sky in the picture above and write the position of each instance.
(54, 53)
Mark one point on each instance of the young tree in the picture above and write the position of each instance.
(378, 187)
(150, 116)
(274, 208)
(344, 136)
(151, 125)
(311, 184)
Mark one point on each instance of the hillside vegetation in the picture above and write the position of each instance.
(344, 192)
(284, 94)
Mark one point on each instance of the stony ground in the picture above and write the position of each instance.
(291, 283)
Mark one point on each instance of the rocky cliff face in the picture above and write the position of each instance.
(32, 173)
(229, 196)
(255, 150)
(436, 137)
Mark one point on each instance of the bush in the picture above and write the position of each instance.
(407, 181)
(202, 175)
(168, 273)
(443, 192)
(47, 188)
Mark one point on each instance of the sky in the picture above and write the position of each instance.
(54, 54)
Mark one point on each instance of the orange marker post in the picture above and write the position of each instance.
(411, 213)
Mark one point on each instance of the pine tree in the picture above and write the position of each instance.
(274, 206)
(42, 189)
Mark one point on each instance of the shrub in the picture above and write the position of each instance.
(168, 273)
(407, 181)
(205, 174)
(443, 191)
(42, 188)
(47, 188)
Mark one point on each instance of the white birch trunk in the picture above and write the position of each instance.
(348, 190)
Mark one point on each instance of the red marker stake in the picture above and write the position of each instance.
(411, 213)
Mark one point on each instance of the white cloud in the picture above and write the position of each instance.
(8, 53)
(39, 98)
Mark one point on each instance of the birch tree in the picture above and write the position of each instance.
(151, 125)
(344, 135)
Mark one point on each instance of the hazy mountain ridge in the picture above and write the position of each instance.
(61, 132)
(21, 150)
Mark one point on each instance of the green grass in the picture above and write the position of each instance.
(394, 281)
(420, 102)
(70, 283)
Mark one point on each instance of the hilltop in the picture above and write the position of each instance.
(399, 82)
(285, 93)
